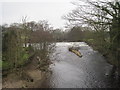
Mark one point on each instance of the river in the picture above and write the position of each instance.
(70, 71)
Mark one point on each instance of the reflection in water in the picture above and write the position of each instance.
(71, 71)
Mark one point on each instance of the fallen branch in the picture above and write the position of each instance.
(75, 51)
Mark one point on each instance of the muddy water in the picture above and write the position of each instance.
(71, 71)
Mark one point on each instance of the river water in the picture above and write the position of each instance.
(70, 71)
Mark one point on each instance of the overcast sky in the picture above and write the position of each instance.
(35, 10)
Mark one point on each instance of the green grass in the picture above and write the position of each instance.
(0, 60)
(24, 59)
(6, 65)
(104, 50)
(20, 62)
(0, 63)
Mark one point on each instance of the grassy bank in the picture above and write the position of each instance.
(104, 49)
(28, 76)
(31, 71)
(24, 58)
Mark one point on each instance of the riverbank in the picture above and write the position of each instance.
(28, 76)
(110, 58)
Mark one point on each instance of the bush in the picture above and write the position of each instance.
(6, 65)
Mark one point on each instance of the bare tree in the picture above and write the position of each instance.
(102, 16)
